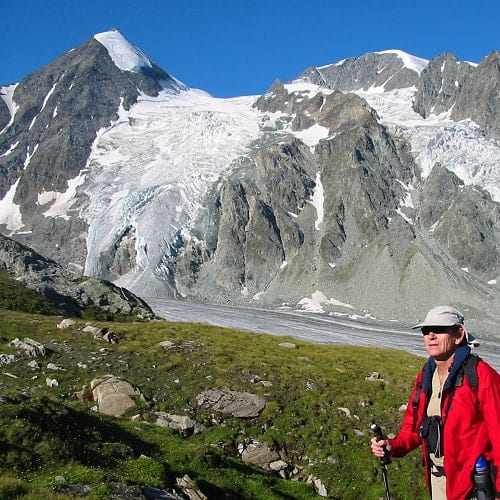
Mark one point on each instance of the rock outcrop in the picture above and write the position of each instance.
(112, 395)
(64, 287)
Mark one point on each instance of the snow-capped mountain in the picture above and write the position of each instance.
(367, 186)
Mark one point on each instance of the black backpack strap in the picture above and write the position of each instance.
(470, 371)
(416, 399)
(414, 403)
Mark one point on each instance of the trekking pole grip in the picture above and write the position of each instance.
(386, 459)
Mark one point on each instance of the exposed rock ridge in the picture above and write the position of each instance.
(445, 85)
(374, 69)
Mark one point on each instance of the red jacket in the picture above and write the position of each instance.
(471, 421)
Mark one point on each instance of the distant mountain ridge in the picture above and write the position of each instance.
(365, 187)
(389, 70)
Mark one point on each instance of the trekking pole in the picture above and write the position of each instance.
(384, 461)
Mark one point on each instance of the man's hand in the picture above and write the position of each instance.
(379, 447)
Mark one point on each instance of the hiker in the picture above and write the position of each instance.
(453, 412)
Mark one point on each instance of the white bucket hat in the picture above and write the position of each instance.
(446, 316)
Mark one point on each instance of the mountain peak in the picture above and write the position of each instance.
(126, 56)
(409, 61)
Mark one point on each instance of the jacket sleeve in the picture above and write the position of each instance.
(489, 405)
(407, 438)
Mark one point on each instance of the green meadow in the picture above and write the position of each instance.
(320, 402)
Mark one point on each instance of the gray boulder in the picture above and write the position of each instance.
(6, 359)
(259, 453)
(237, 403)
(30, 347)
(189, 489)
(182, 423)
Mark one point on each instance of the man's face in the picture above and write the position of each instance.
(442, 342)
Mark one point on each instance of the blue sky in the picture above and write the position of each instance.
(239, 47)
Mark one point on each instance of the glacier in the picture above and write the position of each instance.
(151, 168)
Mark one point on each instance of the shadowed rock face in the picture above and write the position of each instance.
(462, 219)
(440, 84)
(4, 114)
(480, 96)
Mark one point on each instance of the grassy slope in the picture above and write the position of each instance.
(45, 432)
(15, 296)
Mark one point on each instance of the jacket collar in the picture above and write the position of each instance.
(461, 354)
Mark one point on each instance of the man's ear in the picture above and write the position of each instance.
(460, 335)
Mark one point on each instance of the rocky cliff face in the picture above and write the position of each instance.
(306, 191)
(336, 218)
(464, 90)
(462, 220)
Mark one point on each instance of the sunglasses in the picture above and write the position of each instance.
(437, 329)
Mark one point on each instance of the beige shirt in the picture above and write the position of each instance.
(438, 484)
